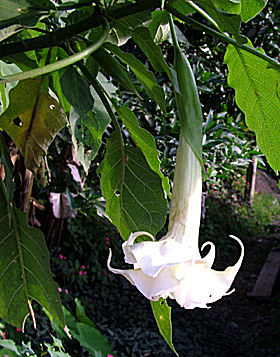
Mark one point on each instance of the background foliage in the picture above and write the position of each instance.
(113, 114)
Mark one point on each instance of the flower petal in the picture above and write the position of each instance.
(210, 256)
(151, 288)
(126, 246)
(202, 285)
(152, 257)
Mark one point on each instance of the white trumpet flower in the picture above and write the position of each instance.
(173, 266)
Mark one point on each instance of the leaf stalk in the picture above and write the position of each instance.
(224, 38)
(62, 63)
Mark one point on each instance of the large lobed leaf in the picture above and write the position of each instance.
(25, 273)
(133, 192)
(145, 141)
(258, 96)
(32, 120)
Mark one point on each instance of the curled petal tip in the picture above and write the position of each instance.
(242, 249)
(109, 259)
(135, 235)
(210, 256)
(229, 292)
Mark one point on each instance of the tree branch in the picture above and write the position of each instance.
(65, 33)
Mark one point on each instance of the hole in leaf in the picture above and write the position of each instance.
(18, 122)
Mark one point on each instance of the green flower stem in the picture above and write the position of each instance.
(60, 64)
(189, 21)
(173, 33)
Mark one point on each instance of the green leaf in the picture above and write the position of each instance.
(143, 38)
(183, 7)
(88, 118)
(24, 269)
(251, 8)
(81, 315)
(83, 330)
(56, 349)
(11, 8)
(11, 347)
(22, 9)
(6, 160)
(92, 66)
(159, 26)
(22, 61)
(144, 76)
(145, 141)
(232, 7)
(112, 67)
(76, 91)
(162, 314)
(40, 118)
(121, 30)
(227, 22)
(9, 31)
(93, 341)
(133, 192)
(56, 86)
(257, 95)
(5, 70)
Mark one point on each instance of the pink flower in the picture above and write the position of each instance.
(83, 267)
(66, 291)
(80, 272)
(105, 273)
(110, 356)
(59, 290)
(4, 335)
(61, 256)
(18, 329)
(85, 273)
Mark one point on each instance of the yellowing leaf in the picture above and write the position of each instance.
(32, 120)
